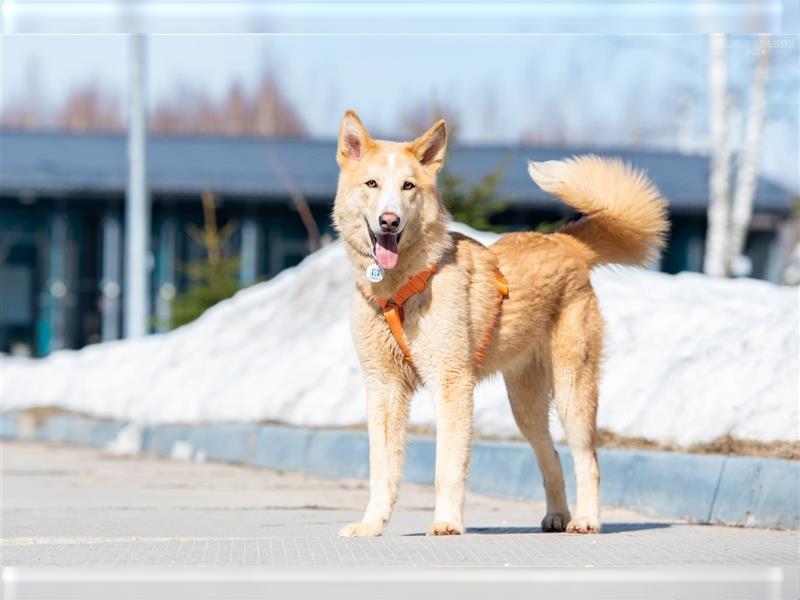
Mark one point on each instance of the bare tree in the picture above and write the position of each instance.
(729, 214)
(298, 200)
(747, 170)
(266, 111)
(550, 131)
(719, 181)
(421, 116)
(90, 108)
(26, 112)
(87, 108)
(273, 112)
(234, 111)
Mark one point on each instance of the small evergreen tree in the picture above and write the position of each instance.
(472, 203)
(212, 279)
(550, 226)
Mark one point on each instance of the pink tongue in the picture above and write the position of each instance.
(386, 250)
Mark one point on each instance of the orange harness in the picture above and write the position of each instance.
(393, 310)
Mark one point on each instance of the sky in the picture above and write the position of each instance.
(595, 88)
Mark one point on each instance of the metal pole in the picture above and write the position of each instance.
(54, 336)
(110, 284)
(248, 269)
(137, 204)
(165, 273)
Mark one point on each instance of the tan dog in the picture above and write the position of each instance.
(548, 338)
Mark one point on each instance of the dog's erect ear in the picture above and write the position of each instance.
(353, 139)
(429, 148)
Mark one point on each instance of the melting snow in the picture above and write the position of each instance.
(688, 358)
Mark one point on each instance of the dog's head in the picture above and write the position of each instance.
(387, 190)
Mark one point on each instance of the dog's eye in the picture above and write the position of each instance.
(408, 185)
(372, 183)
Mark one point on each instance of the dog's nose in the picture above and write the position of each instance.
(389, 222)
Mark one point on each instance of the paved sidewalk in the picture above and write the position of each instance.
(67, 506)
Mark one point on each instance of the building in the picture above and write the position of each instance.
(61, 218)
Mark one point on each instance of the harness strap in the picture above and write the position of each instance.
(502, 288)
(393, 314)
(393, 307)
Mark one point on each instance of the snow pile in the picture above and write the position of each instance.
(688, 359)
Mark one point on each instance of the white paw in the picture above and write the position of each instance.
(584, 525)
(446, 528)
(362, 529)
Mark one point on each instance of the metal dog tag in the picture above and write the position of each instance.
(375, 273)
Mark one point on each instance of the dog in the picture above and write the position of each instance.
(457, 325)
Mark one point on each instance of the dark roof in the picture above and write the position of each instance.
(59, 162)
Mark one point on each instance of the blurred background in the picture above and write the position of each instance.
(146, 177)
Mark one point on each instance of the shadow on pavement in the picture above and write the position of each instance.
(607, 528)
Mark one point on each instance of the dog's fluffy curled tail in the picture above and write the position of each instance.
(624, 216)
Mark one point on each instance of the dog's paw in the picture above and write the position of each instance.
(446, 528)
(584, 525)
(555, 522)
(362, 529)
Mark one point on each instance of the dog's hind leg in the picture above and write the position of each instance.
(529, 391)
(388, 400)
(576, 353)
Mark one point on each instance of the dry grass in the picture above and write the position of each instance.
(39, 415)
(725, 444)
(730, 445)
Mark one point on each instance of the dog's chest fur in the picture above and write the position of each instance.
(443, 324)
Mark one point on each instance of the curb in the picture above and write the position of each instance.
(730, 490)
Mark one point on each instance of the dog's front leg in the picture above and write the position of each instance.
(453, 438)
(387, 415)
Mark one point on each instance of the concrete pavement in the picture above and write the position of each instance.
(721, 490)
(67, 506)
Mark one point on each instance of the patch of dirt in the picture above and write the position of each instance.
(725, 444)
(39, 415)
(730, 445)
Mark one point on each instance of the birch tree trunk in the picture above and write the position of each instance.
(747, 169)
(719, 179)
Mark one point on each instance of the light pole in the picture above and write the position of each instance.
(137, 201)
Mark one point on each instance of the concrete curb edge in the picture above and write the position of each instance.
(731, 490)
